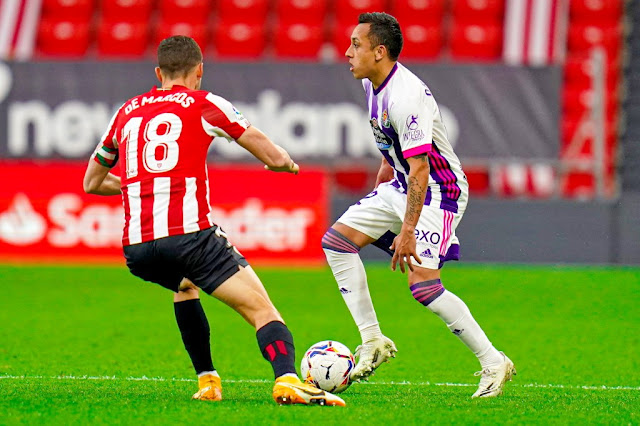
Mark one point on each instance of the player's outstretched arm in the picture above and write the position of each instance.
(98, 180)
(273, 156)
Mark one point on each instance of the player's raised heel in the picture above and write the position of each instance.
(371, 355)
(210, 388)
(493, 379)
(290, 390)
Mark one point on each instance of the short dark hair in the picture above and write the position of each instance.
(384, 30)
(178, 55)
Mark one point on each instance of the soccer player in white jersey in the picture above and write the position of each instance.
(170, 237)
(420, 196)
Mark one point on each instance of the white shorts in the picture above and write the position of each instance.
(383, 210)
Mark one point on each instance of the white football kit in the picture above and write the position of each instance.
(406, 122)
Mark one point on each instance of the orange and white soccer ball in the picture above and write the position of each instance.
(327, 365)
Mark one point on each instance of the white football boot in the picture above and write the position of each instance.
(371, 355)
(493, 378)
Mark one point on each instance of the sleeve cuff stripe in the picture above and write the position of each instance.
(104, 162)
(416, 150)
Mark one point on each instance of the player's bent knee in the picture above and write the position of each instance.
(426, 292)
(334, 241)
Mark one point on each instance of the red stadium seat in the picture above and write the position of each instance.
(197, 31)
(122, 39)
(347, 11)
(478, 11)
(181, 11)
(239, 40)
(298, 41)
(422, 42)
(418, 11)
(578, 102)
(585, 37)
(63, 38)
(70, 10)
(596, 12)
(311, 12)
(248, 11)
(126, 10)
(578, 73)
(341, 38)
(476, 42)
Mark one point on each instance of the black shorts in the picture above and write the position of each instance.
(205, 257)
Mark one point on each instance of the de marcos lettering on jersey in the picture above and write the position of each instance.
(179, 98)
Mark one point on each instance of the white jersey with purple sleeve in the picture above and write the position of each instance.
(406, 121)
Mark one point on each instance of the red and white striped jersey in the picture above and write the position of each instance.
(163, 137)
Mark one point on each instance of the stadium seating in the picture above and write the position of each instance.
(418, 11)
(341, 38)
(578, 72)
(578, 101)
(298, 40)
(347, 11)
(239, 40)
(247, 11)
(63, 38)
(422, 42)
(476, 42)
(596, 11)
(184, 11)
(126, 10)
(310, 12)
(70, 10)
(197, 31)
(124, 39)
(585, 37)
(480, 12)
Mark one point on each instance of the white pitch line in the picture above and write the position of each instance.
(173, 379)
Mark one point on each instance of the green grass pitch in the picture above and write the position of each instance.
(95, 345)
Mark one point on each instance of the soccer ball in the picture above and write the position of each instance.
(327, 365)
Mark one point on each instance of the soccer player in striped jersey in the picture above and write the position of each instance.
(420, 196)
(170, 237)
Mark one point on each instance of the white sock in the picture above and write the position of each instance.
(349, 272)
(455, 313)
(213, 373)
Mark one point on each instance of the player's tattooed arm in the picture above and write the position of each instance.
(416, 188)
(415, 200)
(404, 245)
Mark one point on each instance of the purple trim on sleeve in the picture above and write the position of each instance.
(416, 150)
(446, 179)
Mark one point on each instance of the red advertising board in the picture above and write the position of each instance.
(271, 217)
